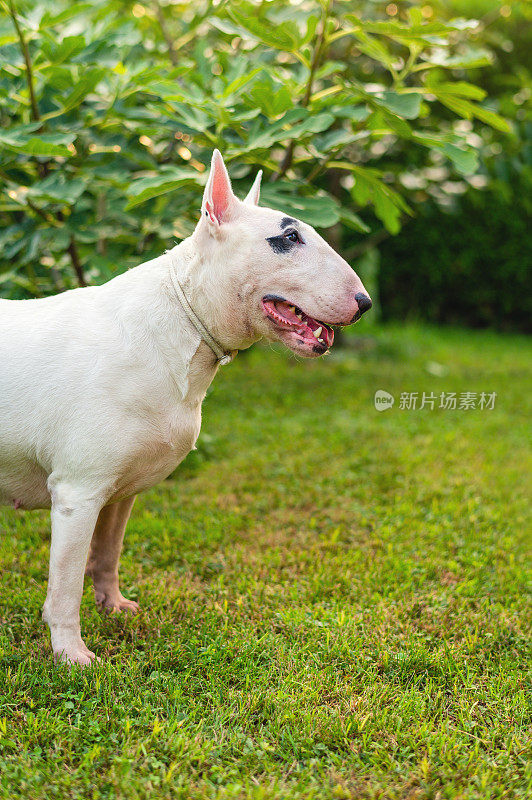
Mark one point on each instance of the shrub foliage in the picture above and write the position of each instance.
(109, 112)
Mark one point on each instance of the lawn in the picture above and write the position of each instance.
(334, 598)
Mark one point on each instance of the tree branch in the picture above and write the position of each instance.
(27, 60)
(47, 217)
(166, 35)
(286, 163)
(72, 250)
(42, 166)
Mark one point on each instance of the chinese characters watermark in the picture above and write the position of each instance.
(449, 401)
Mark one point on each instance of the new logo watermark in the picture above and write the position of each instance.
(448, 401)
(383, 400)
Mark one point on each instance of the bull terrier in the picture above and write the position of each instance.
(101, 387)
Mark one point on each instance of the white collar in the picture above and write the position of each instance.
(222, 356)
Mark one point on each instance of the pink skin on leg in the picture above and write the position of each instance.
(102, 565)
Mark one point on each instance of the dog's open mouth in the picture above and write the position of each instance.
(307, 330)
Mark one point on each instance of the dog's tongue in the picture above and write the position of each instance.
(292, 318)
(284, 310)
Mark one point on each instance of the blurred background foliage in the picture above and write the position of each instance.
(402, 131)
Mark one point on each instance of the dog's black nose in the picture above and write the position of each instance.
(364, 302)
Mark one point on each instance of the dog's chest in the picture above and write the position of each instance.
(170, 432)
(161, 447)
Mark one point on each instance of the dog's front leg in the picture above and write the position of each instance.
(74, 514)
(104, 555)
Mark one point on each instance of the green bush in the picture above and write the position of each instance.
(471, 263)
(470, 267)
(109, 112)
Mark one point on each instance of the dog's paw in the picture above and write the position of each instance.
(117, 603)
(129, 606)
(77, 654)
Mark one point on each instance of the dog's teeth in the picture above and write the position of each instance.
(317, 333)
(291, 308)
(299, 316)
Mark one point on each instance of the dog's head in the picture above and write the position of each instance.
(274, 275)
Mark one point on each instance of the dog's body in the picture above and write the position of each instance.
(101, 388)
(108, 379)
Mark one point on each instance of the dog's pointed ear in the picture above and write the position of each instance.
(252, 197)
(218, 198)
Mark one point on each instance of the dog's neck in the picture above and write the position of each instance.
(222, 356)
(210, 289)
(156, 322)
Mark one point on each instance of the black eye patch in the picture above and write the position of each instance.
(287, 221)
(289, 239)
(280, 244)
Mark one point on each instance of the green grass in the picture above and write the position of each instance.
(334, 599)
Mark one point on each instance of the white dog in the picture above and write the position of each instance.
(101, 388)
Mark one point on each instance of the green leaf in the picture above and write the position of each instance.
(421, 30)
(466, 109)
(49, 19)
(280, 37)
(361, 190)
(472, 57)
(234, 87)
(457, 104)
(382, 119)
(460, 88)
(57, 52)
(388, 204)
(46, 144)
(464, 158)
(320, 211)
(195, 119)
(465, 161)
(491, 118)
(57, 188)
(353, 221)
(143, 189)
(387, 211)
(280, 132)
(226, 26)
(337, 138)
(86, 85)
(271, 103)
(356, 113)
(8, 34)
(312, 24)
(406, 104)
(374, 48)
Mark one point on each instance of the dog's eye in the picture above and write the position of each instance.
(292, 236)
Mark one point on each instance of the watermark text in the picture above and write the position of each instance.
(448, 401)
